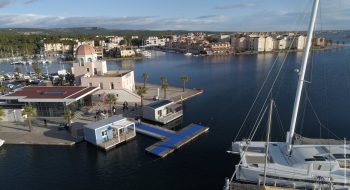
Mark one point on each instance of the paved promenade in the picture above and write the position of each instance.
(172, 93)
(18, 133)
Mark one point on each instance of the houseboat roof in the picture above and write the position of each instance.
(159, 104)
(115, 121)
(49, 93)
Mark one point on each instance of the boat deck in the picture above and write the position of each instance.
(170, 140)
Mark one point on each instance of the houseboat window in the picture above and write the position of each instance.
(104, 133)
(159, 112)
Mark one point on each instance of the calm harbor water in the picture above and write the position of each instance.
(230, 84)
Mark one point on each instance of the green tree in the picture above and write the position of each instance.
(3, 89)
(70, 79)
(123, 42)
(69, 115)
(162, 79)
(165, 86)
(60, 81)
(28, 112)
(184, 80)
(2, 113)
(110, 100)
(36, 68)
(136, 42)
(145, 77)
(141, 91)
(18, 70)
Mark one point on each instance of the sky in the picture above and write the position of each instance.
(199, 15)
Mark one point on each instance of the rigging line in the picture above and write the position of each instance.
(256, 98)
(246, 148)
(279, 118)
(274, 81)
(303, 116)
(264, 83)
(318, 119)
(325, 91)
(289, 48)
(272, 86)
(256, 124)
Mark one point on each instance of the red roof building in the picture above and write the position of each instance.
(49, 101)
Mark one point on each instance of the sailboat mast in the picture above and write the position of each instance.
(309, 37)
(345, 166)
(268, 140)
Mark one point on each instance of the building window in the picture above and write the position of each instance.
(87, 69)
(89, 60)
(104, 133)
(90, 84)
(112, 85)
(82, 62)
(159, 113)
(101, 85)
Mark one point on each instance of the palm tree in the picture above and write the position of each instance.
(18, 70)
(184, 79)
(60, 80)
(145, 77)
(165, 86)
(69, 115)
(141, 91)
(111, 99)
(36, 68)
(163, 79)
(2, 113)
(70, 78)
(28, 112)
(3, 89)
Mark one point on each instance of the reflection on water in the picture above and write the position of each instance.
(230, 84)
(127, 64)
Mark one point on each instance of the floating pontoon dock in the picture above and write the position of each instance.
(171, 140)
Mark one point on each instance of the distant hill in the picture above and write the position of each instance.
(93, 31)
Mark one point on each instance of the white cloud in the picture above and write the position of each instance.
(137, 22)
(30, 1)
(4, 3)
(235, 6)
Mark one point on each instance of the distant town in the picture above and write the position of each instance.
(106, 107)
(190, 44)
(135, 46)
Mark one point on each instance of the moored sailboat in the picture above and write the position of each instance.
(1, 142)
(299, 162)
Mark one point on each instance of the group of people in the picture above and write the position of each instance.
(125, 106)
(101, 114)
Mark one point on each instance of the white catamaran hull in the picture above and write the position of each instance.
(309, 166)
(1, 142)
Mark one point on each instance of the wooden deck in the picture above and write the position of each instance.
(111, 143)
(170, 140)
